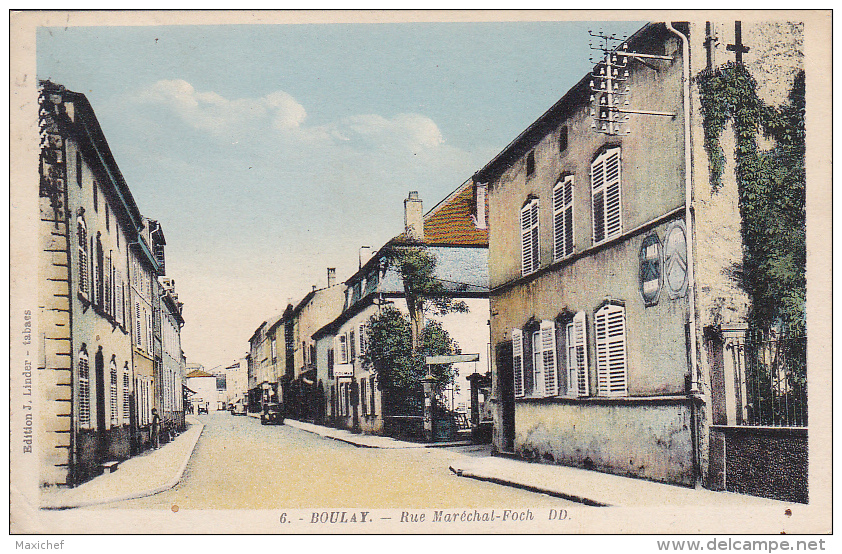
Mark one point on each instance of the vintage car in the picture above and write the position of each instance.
(202, 408)
(273, 412)
(238, 408)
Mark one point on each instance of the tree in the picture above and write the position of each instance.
(396, 346)
(424, 292)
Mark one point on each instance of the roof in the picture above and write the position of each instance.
(548, 121)
(451, 222)
(199, 373)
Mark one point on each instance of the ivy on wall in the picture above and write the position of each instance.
(771, 186)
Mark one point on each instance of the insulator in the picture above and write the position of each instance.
(602, 71)
(591, 83)
(602, 100)
(593, 112)
(604, 127)
(626, 103)
(615, 72)
(626, 74)
(593, 125)
(625, 46)
(602, 85)
(592, 98)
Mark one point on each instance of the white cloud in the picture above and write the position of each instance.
(279, 111)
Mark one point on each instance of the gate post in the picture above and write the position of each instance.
(733, 366)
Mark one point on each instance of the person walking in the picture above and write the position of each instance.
(156, 429)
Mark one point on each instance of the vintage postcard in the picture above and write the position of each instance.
(395, 272)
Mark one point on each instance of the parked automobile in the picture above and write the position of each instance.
(202, 408)
(273, 412)
(238, 408)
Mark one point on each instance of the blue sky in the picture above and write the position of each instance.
(271, 152)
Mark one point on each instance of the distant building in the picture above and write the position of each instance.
(458, 239)
(205, 391)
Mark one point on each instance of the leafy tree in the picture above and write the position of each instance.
(425, 294)
(397, 345)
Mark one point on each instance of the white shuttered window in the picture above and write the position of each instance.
(517, 362)
(577, 356)
(611, 364)
(529, 235)
(84, 390)
(563, 218)
(606, 192)
(546, 384)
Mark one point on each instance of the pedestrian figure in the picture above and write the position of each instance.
(156, 429)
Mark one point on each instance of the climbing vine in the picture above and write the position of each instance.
(771, 186)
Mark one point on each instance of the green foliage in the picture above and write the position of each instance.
(772, 187)
(424, 292)
(389, 352)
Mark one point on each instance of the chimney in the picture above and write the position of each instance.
(365, 255)
(331, 276)
(413, 217)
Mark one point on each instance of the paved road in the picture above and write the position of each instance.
(240, 464)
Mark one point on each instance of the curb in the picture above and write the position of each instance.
(359, 445)
(132, 495)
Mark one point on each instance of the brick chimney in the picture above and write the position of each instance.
(331, 276)
(413, 216)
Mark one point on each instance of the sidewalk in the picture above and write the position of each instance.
(149, 473)
(364, 441)
(580, 485)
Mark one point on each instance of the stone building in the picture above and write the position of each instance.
(90, 286)
(610, 262)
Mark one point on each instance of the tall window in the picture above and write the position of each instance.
(544, 360)
(562, 139)
(114, 404)
(529, 237)
(84, 389)
(577, 356)
(126, 392)
(606, 193)
(98, 272)
(273, 345)
(363, 403)
(363, 339)
(342, 348)
(353, 343)
(96, 196)
(79, 169)
(371, 386)
(82, 239)
(563, 218)
(517, 362)
(530, 163)
(610, 341)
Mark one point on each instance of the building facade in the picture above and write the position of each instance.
(90, 283)
(459, 243)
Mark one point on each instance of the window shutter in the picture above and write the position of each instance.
(525, 240)
(610, 329)
(517, 361)
(548, 358)
(107, 284)
(118, 298)
(138, 336)
(578, 358)
(112, 369)
(613, 219)
(606, 191)
(84, 391)
(94, 275)
(126, 393)
(82, 239)
(563, 218)
(536, 251)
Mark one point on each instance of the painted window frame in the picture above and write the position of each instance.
(576, 356)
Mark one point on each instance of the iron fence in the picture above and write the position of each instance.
(771, 378)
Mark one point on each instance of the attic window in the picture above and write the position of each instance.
(530, 164)
(562, 139)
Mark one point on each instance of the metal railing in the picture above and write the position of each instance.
(771, 378)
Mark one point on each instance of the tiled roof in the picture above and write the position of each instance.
(451, 221)
(198, 373)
